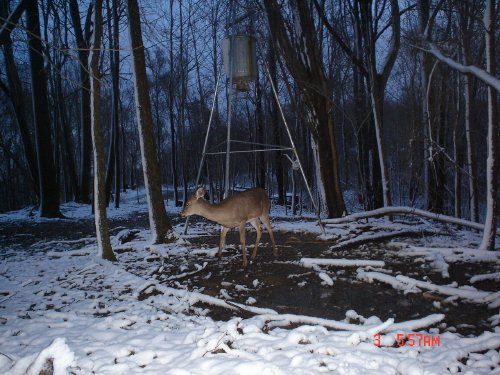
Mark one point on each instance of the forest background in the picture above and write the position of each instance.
(389, 102)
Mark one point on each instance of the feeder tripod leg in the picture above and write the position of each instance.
(205, 144)
(229, 112)
(316, 208)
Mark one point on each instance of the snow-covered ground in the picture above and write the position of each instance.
(83, 315)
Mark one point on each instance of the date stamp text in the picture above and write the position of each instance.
(412, 339)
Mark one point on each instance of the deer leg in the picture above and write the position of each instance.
(267, 223)
(222, 240)
(242, 241)
(256, 224)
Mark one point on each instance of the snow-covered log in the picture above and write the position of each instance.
(409, 284)
(403, 210)
(309, 262)
(379, 237)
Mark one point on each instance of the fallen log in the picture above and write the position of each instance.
(403, 210)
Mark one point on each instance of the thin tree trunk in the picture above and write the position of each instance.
(276, 125)
(182, 108)
(423, 12)
(377, 99)
(49, 190)
(171, 92)
(86, 145)
(101, 222)
(67, 143)
(20, 109)
(489, 234)
(457, 156)
(112, 170)
(471, 163)
(161, 228)
(316, 101)
(260, 164)
(116, 100)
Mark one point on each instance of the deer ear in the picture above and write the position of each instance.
(200, 192)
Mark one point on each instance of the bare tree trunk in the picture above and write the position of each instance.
(260, 164)
(171, 92)
(301, 53)
(101, 222)
(182, 107)
(471, 163)
(67, 144)
(489, 234)
(377, 98)
(116, 100)
(457, 156)
(112, 170)
(378, 81)
(423, 13)
(49, 190)
(466, 26)
(161, 228)
(86, 142)
(16, 96)
(276, 125)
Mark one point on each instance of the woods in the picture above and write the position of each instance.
(389, 102)
(139, 140)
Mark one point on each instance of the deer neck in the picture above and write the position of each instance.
(213, 212)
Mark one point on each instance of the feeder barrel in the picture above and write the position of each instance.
(241, 49)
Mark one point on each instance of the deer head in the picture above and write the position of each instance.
(193, 203)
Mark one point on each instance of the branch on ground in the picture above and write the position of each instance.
(402, 210)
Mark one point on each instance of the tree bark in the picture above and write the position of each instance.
(86, 141)
(171, 92)
(49, 190)
(466, 24)
(161, 228)
(488, 241)
(275, 124)
(304, 62)
(113, 165)
(378, 81)
(101, 222)
(20, 109)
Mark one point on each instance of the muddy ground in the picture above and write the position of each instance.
(282, 283)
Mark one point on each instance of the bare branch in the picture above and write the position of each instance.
(466, 69)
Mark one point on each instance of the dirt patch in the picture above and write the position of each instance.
(281, 283)
(284, 285)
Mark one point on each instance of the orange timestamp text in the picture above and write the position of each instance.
(412, 339)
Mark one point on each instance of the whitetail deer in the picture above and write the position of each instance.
(246, 207)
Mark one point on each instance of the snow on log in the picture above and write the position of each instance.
(403, 210)
(283, 320)
(368, 238)
(194, 297)
(451, 254)
(310, 262)
(327, 279)
(406, 283)
(413, 325)
(459, 349)
(488, 276)
(58, 354)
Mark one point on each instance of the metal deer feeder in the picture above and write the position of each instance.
(240, 68)
(240, 63)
